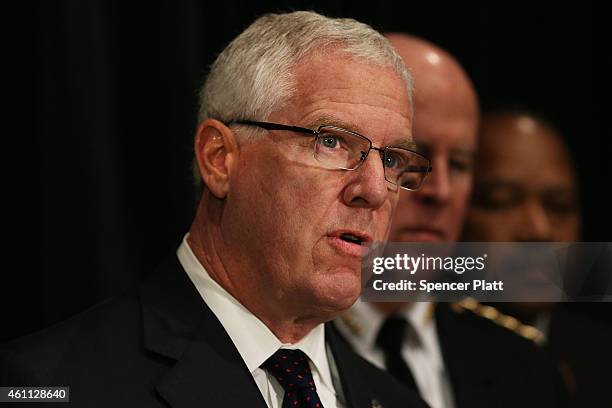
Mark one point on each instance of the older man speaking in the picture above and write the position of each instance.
(303, 145)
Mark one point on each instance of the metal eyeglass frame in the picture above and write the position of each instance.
(364, 156)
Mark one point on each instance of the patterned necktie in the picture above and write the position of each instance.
(291, 370)
(390, 340)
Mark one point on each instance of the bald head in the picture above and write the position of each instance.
(525, 184)
(445, 127)
(438, 77)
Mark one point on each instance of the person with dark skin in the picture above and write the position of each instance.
(536, 201)
(526, 190)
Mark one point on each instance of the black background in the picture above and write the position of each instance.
(110, 104)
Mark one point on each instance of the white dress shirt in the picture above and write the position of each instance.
(256, 343)
(420, 350)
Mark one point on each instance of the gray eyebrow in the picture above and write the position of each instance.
(405, 143)
(334, 121)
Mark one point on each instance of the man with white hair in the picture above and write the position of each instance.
(303, 145)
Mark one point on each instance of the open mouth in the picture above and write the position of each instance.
(353, 239)
(350, 242)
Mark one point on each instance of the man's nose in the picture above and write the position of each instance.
(367, 186)
(535, 225)
(436, 188)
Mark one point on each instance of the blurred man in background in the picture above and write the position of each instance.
(452, 357)
(526, 190)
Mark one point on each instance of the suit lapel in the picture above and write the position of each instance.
(468, 359)
(355, 389)
(206, 368)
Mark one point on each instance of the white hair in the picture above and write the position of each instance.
(252, 77)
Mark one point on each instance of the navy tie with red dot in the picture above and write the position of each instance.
(291, 370)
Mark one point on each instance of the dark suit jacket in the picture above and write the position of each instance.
(491, 366)
(582, 348)
(163, 347)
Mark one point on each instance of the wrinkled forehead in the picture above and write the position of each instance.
(338, 70)
(335, 89)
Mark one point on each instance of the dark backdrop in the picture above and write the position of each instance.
(111, 113)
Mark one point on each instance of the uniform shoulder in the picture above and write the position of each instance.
(488, 316)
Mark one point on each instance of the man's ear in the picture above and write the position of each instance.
(215, 151)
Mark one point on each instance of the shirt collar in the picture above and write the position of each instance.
(422, 318)
(362, 322)
(254, 341)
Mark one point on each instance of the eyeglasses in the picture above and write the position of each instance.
(337, 148)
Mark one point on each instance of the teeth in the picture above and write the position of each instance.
(351, 238)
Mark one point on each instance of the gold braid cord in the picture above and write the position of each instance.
(497, 317)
